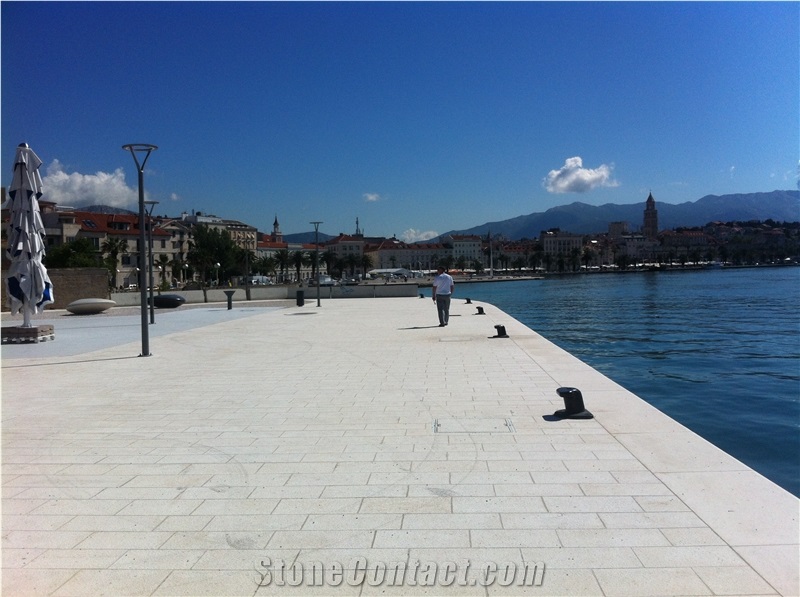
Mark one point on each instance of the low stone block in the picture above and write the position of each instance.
(90, 306)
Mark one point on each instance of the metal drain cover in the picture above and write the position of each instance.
(473, 426)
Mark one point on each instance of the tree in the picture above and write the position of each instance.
(351, 261)
(298, 259)
(282, 257)
(114, 247)
(162, 263)
(329, 259)
(574, 258)
(503, 259)
(210, 246)
(586, 257)
(461, 263)
(477, 265)
(265, 265)
(366, 263)
(77, 253)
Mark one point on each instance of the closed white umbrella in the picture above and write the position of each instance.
(27, 283)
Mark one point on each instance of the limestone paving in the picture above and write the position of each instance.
(357, 448)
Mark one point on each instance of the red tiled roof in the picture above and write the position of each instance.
(105, 223)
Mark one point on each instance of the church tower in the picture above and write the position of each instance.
(650, 229)
(277, 235)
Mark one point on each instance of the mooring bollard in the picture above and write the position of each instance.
(480, 311)
(573, 405)
(501, 332)
(469, 301)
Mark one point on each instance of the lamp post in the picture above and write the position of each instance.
(145, 149)
(217, 274)
(150, 206)
(316, 255)
(185, 267)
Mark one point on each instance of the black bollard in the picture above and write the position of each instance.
(480, 311)
(301, 298)
(469, 301)
(573, 403)
(229, 294)
(501, 332)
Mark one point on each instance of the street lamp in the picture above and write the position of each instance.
(217, 274)
(151, 205)
(144, 149)
(316, 255)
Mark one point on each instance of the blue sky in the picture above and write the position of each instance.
(417, 118)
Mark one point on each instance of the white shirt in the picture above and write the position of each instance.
(443, 284)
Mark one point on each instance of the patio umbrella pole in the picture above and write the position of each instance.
(27, 284)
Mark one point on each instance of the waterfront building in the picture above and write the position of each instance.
(243, 235)
(618, 229)
(464, 248)
(67, 224)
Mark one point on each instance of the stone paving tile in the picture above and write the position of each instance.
(32, 583)
(402, 505)
(612, 537)
(20, 557)
(739, 580)
(322, 539)
(650, 582)
(332, 522)
(160, 559)
(112, 582)
(426, 538)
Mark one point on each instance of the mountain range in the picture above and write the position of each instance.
(582, 218)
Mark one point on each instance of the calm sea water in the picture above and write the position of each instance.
(717, 350)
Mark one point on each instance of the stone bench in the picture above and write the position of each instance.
(89, 306)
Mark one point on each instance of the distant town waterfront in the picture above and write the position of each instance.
(717, 350)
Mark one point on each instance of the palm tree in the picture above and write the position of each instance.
(366, 264)
(114, 246)
(587, 257)
(163, 262)
(282, 257)
(329, 259)
(298, 259)
(265, 265)
(351, 260)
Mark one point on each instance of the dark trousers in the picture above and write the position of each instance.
(443, 307)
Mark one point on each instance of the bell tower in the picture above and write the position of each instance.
(277, 235)
(650, 229)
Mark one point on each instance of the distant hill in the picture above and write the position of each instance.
(586, 219)
(305, 237)
(106, 209)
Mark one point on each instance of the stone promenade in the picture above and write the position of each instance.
(359, 449)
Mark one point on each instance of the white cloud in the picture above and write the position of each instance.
(413, 236)
(572, 177)
(77, 190)
(371, 197)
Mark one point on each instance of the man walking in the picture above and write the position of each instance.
(442, 289)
